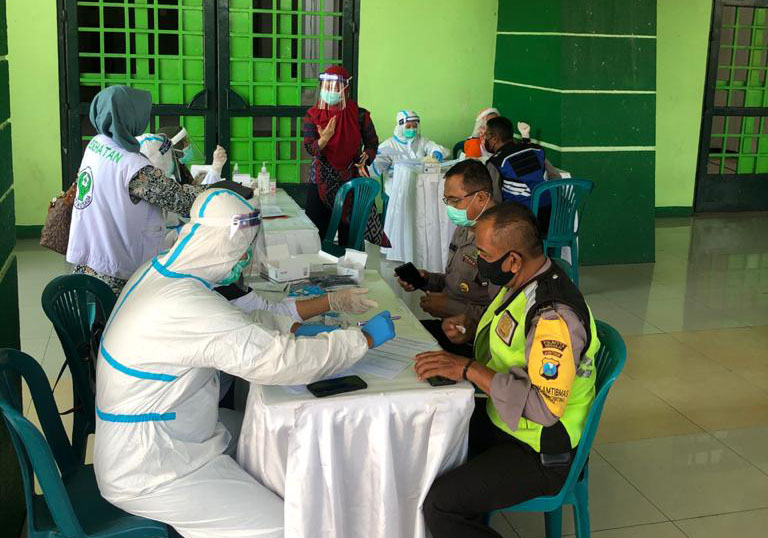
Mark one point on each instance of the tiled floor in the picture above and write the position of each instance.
(682, 449)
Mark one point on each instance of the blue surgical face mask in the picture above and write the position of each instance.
(332, 98)
(237, 270)
(187, 155)
(410, 133)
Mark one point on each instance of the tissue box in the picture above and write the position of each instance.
(352, 264)
(282, 267)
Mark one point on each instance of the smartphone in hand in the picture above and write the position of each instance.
(408, 273)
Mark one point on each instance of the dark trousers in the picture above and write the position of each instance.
(434, 326)
(500, 472)
(320, 215)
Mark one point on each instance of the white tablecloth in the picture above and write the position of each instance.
(358, 464)
(297, 231)
(416, 223)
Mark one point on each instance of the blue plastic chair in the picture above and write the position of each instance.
(609, 362)
(71, 505)
(72, 303)
(364, 192)
(568, 202)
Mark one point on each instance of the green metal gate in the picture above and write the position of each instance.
(240, 73)
(733, 158)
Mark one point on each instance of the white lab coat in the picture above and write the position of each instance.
(159, 448)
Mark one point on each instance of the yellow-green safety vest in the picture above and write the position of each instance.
(491, 350)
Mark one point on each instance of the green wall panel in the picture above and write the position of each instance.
(3, 33)
(581, 63)
(7, 228)
(581, 106)
(579, 16)
(6, 170)
(619, 223)
(5, 102)
(9, 298)
(591, 119)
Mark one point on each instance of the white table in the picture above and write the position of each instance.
(416, 223)
(358, 464)
(296, 230)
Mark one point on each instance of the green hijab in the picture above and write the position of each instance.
(122, 114)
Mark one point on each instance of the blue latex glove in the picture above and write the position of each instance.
(437, 155)
(380, 328)
(313, 329)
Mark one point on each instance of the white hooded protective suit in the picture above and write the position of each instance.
(398, 147)
(159, 442)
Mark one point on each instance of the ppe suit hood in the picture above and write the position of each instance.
(157, 148)
(208, 247)
(403, 117)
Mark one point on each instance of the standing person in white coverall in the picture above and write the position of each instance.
(406, 143)
(159, 446)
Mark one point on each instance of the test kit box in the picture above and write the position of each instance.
(281, 266)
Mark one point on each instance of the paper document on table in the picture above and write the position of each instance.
(391, 358)
(271, 211)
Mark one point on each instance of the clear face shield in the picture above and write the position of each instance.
(409, 126)
(185, 151)
(332, 92)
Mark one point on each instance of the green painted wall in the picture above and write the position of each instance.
(432, 56)
(583, 74)
(11, 493)
(34, 68)
(683, 38)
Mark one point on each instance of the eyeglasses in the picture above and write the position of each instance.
(452, 201)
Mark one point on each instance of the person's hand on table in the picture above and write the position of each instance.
(457, 329)
(408, 287)
(379, 329)
(442, 363)
(435, 304)
(351, 301)
(326, 133)
(219, 159)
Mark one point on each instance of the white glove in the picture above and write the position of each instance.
(524, 128)
(219, 159)
(352, 301)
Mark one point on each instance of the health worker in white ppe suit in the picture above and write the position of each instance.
(158, 148)
(160, 446)
(406, 143)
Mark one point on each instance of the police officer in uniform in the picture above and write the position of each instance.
(534, 354)
(467, 194)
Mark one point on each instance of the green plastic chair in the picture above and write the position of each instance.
(73, 303)
(364, 192)
(569, 200)
(609, 363)
(71, 505)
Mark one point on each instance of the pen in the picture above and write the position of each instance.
(361, 323)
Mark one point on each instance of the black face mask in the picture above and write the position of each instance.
(493, 272)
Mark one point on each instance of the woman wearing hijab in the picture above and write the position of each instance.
(341, 138)
(117, 219)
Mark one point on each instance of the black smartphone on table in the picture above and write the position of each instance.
(408, 273)
(329, 387)
(439, 381)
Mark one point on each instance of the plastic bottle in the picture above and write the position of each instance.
(263, 180)
(235, 170)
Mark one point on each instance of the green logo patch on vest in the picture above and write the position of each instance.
(506, 326)
(84, 188)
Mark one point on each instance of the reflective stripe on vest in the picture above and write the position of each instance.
(491, 349)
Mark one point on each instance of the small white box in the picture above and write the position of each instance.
(282, 267)
(353, 264)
